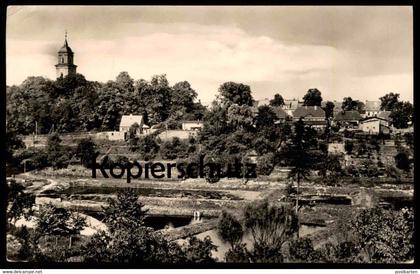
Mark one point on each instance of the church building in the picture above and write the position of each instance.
(65, 64)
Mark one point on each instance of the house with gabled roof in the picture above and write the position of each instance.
(372, 108)
(128, 120)
(311, 115)
(281, 114)
(192, 125)
(290, 105)
(375, 125)
(348, 119)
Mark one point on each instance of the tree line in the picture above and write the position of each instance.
(72, 103)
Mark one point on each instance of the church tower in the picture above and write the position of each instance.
(65, 64)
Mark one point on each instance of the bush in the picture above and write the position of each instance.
(265, 164)
(402, 162)
(173, 149)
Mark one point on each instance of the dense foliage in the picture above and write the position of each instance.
(74, 104)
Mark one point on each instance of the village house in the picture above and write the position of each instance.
(311, 115)
(281, 114)
(375, 126)
(372, 108)
(128, 120)
(192, 125)
(348, 119)
(291, 105)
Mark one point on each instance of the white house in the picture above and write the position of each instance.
(192, 125)
(128, 120)
(375, 125)
(372, 108)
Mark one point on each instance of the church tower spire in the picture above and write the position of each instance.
(65, 65)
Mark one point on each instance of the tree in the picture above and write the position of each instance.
(235, 93)
(312, 98)
(29, 106)
(173, 149)
(263, 146)
(385, 236)
(348, 146)
(86, 150)
(147, 146)
(125, 81)
(329, 110)
(329, 163)
(402, 114)
(239, 116)
(270, 228)
(303, 139)
(133, 136)
(302, 251)
(389, 101)
(55, 221)
(277, 101)
(369, 168)
(125, 212)
(265, 117)
(349, 104)
(58, 155)
(409, 139)
(130, 242)
(182, 100)
(20, 203)
(265, 164)
(13, 143)
(402, 161)
(155, 98)
(230, 229)
(196, 251)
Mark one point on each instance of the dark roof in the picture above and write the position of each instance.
(65, 48)
(384, 115)
(373, 118)
(305, 111)
(280, 113)
(352, 115)
(316, 123)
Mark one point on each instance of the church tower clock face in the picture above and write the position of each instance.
(65, 65)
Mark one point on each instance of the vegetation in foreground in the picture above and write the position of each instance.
(373, 235)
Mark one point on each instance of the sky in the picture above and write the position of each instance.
(358, 51)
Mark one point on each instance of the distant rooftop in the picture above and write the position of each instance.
(304, 111)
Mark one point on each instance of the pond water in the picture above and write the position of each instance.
(149, 192)
(155, 222)
(399, 202)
